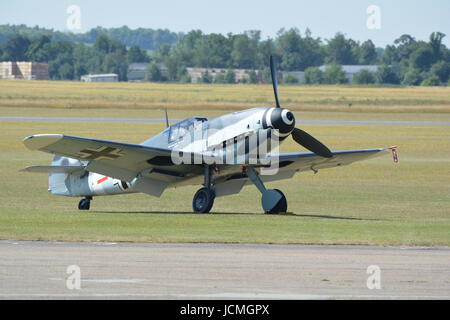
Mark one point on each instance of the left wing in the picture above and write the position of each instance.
(307, 160)
(288, 164)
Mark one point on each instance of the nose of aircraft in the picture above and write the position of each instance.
(281, 119)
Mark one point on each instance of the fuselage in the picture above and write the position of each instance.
(197, 134)
(236, 138)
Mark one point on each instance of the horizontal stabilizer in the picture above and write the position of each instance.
(53, 169)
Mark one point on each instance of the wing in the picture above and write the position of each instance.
(309, 161)
(289, 164)
(152, 167)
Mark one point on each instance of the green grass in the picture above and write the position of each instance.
(373, 202)
(147, 96)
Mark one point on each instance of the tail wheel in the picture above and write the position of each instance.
(281, 205)
(203, 200)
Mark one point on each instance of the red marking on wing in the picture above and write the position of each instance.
(102, 180)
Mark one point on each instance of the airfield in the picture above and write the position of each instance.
(133, 245)
(109, 270)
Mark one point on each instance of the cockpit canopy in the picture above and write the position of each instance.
(180, 129)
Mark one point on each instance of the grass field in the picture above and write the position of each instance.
(148, 96)
(372, 202)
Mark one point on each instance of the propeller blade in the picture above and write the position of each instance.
(309, 142)
(273, 73)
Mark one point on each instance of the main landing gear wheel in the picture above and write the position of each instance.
(85, 204)
(280, 206)
(203, 200)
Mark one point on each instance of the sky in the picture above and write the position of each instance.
(382, 21)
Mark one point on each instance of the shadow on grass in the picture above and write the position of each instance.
(287, 214)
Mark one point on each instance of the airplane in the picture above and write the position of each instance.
(86, 167)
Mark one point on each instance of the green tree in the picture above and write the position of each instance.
(230, 76)
(153, 73)
(220, 78)
(340, 50)
(213, 51)
(66, 71)
(313, 75)
(102, 44)
(136, 54)
(436, 43)
(297, 52)
(364, 77)
(206, 77)
(367, 53)
(412, 77)
(245, 50)
(267, 48)
(334, 74)
(442, 70)
(185, 78)
(387, 75)
(290, 79)
(422, 58)
(252, 76)
(389, 55)
(116, 62)
(15, 48)
(36, 50)
(405, 46)
(431, 81)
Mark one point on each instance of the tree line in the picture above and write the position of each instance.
(145, 38)
(70, 60)
(407, 61)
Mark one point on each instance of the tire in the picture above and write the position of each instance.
(203, 200)
(84, 204)
(281, 206)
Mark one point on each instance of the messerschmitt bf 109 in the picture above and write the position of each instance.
(194, 151)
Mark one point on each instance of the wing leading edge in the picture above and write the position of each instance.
(307, 160)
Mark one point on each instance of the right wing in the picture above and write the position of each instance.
(151, 168)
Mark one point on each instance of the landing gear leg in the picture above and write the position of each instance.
(85, 204)
(273, 200)
(204, 198)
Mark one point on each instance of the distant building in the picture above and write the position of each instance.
(196, 73)
(137, 71)
(24, 70)
(107, 77)
(351, 70)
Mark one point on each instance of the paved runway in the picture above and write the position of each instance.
(148, 120)
(38, 270)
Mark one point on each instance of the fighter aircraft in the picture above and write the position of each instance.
(85, 167)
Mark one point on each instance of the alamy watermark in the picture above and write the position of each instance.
(374, 279)
(209, 147)
(73, 22)
(374, 19)
(73, 281)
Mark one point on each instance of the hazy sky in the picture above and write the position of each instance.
(323, 17)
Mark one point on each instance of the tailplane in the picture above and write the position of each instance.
(61, 174)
